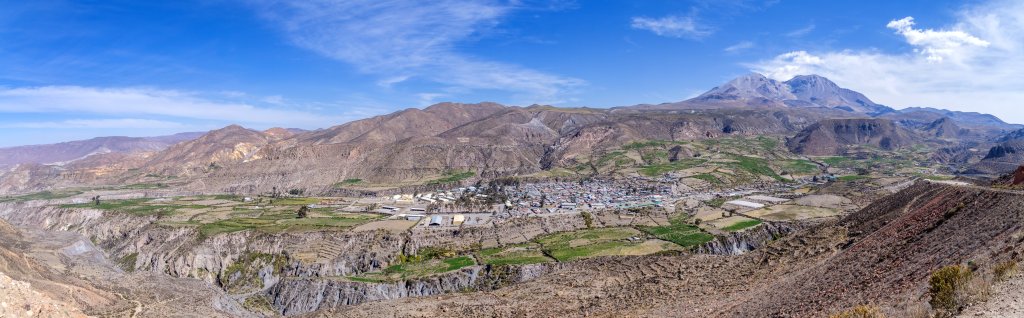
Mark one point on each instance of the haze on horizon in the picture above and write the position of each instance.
(73, 71)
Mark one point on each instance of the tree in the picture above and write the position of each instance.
(303, 212)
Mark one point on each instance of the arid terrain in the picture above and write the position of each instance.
(759, 198)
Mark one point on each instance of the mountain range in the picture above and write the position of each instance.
(75, 150)
(414, 146)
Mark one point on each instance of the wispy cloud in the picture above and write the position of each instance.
(801, 31)
(400, 40)
(672, 26)
(744, 45)
(973, 64)
(163, 104)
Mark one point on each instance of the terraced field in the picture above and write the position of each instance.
(580, 244)
(679, 232)
(518, 254)
(214, 215)
(790, 212)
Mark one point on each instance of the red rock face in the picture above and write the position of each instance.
(1018, 177)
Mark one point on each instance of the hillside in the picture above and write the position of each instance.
(1004, 156)
(881, 255)
(218, 147)
(833, 136)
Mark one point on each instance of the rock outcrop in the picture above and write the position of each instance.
(745, 241)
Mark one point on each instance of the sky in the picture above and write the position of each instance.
(74, 70)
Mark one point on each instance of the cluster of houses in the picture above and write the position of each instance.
(436, 197)
(556, 197)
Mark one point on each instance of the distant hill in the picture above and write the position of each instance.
(74, 150)
(831, 136)
(966, 119)
(1004, 157)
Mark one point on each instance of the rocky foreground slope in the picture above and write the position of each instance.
(62, 274)
(881, 255)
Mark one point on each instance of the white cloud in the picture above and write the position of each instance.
(936, 45)
(130, 123)
(671, 26)
(744, 45)
(399, 40)
(972, 65)
(77, 100)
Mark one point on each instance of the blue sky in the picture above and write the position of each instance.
(79, 69)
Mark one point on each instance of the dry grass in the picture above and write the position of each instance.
(1005, 270)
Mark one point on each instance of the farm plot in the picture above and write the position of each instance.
(791, 212)
(580, 244)
(519, 254)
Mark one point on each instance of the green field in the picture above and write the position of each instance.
(347, 182)
(802, 167)
(453, 177)
(139, 207)
(227, 214)
(519, 254)
(755, 166)
(710, 178)
(145, 186)
(679, 232)
(655, 170)
(594, 242)
(741, 225)
(852, 178)
(45, 195)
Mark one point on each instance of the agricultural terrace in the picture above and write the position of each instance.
(225, 214)
(601, 242)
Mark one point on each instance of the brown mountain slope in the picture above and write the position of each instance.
(224, 146)
(944, 128)
(832, 136)
(513, 140)
(403, 124)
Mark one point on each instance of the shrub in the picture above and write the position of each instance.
(946, 287)
(588, 219)
(1005, 269)
(862, 311)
